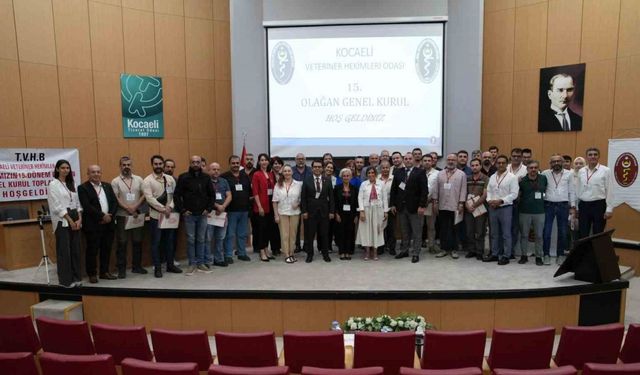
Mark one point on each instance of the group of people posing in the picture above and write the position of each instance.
(442, 210)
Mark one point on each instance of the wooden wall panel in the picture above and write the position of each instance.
(520, 313)
(497, 103)
(562, 311)
(222, 53)
(139, 42)
(561, 143)
(224, 149)
(8, 43)
(106, 88)
(198, 9)
(628, 42)
(138, 4)
(174, 91)
(76, 102)
(257, 315)
(199, 48)
(174, 7)
(109, 152)
(223, 109)
(599, 139)
(527, 140)
(525, 101)
(140, 151)
(17, 303)
(502, 141)
(625, 228)
(221, 10)
(107, 46)
(308, 315)
(108, 310)
(13, 142)
(41, 100)
(599, 95)
(201, 108)
(530, 37)
(34, 28)
(88, 150)
(467, 315)
(345, 309)
(44, 142)
(626, 110)
(11, 120)
(564, 23)
(170, 45)
(494, 5)
(431, 310)
(73, 42)
(210, 314)
(202, 147)
(599, 29)
(176, 149)
(499, 41)
(164, 313)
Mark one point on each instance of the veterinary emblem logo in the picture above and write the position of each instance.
(282, 63)
(427, 60)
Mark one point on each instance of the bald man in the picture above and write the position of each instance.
(99, 209)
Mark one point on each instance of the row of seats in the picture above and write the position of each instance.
(103, 364)
(512, 349)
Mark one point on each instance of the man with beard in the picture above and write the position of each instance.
(237, 210)
(476, 226)
(359, 163)
(158, 190)
(374, 161)
(531, 210)
(448, 201)
(248, 165)
(559, 201)
(488, 168)
(463, 157)
(317, 207)
(128, 190)
(527, 156)
(503, 189)
(215, 234)
(99, 209)
(396, 162)
(194, 198)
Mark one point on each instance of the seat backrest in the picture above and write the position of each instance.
(449, 371)
(121, 342)
(18, 364)
(63, 364)
(445, 350)
(597, 344)
(65, 336)
(132, 366)
(182, 346)
(630, 352)
(523, 349)
(611, 368)
(9, 213)
(246, 349)
(564, 370)
(374, 370)
(389, 350)
(233, 370)
(316, 349)
(18, 335)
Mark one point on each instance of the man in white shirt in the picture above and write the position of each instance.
(502, 191)
(559, 202)
(595, 195)
(429, 228)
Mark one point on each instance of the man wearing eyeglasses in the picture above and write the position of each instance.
(595, 195)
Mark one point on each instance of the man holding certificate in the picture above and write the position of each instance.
(158, 190)
(217, 220)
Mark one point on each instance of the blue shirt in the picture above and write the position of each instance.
(220, 186)
(355, 181)
(301, 176)
(466, 169)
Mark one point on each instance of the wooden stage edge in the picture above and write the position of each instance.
(251, 311)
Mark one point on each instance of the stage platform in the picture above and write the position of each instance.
(249, 296)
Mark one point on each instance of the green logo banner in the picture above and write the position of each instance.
(141, 106)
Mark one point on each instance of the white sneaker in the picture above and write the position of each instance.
(192, 270)
(441, 254)
(546, 260)
(203, 268)
(176, 263)
(454, 254)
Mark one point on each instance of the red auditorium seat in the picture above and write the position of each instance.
(630, 352)
(182, 346)
(121, 342)
(18, 364)
(449, 350)
(564, 370)
(65, 336)
(233, 370)
(448, 371)
(389, 350)
(246, 349)
(316, 349)
(132, 366)
(18, 335)
(598, 344)
(375, 370)
(611, 369)
(63, 364)
(521, 349)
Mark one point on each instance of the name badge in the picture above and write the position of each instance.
(269, 191)
(402, 185)
(131, 197)
(346, 207)
(317, 195)
(218, 196)
(238, 187)
(169, 189)
(447, 186)
(538, 195)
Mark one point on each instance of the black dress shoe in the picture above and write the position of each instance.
(220, 264)
(326, 258)
(122, 274)
(470, 255)
(107, 276)
(244, 258)
(523, 259)
(173, 269)
(380, 250)
(228, 260)
(539, 261)
(392, 252)
(492, 258)
(157, 272)
(271, 257)
(93, 279)
(309, 259)
(403, 254)
(139, 270)
(503, 261)
(415, 259)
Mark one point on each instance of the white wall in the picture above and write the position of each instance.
(463, 61)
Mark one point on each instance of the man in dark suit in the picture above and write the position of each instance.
(317, 207)
(99, 205)
(408, 201)
(558, 117)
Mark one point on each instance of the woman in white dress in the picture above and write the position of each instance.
(373, 210)
(286, 208)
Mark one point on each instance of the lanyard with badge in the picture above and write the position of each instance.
(447, 185)
(534, 186)
(215, 188)
(238, 185)
(130, 197)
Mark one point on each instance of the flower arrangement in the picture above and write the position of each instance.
(385, 323)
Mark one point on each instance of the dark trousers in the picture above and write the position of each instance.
(274, 235)
(260, 226)
(162, 240)
(447, 230)
(345, 232)
(99, 241)
(123, 237)
(316, 224)
(67, 255)
(476, 229)
(390, 233)
(298, 235)
(591, 217)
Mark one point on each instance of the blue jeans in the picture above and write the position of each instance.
(196, 228)
(208, 255)
(560, 212)
(500, 221)
(216, 234)
(237, 225)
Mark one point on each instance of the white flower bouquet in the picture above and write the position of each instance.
(385, 323)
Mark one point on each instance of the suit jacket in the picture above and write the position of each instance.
(91, 209)
(548, 122)
(415, 192)
(324, 204)
(340, 201)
